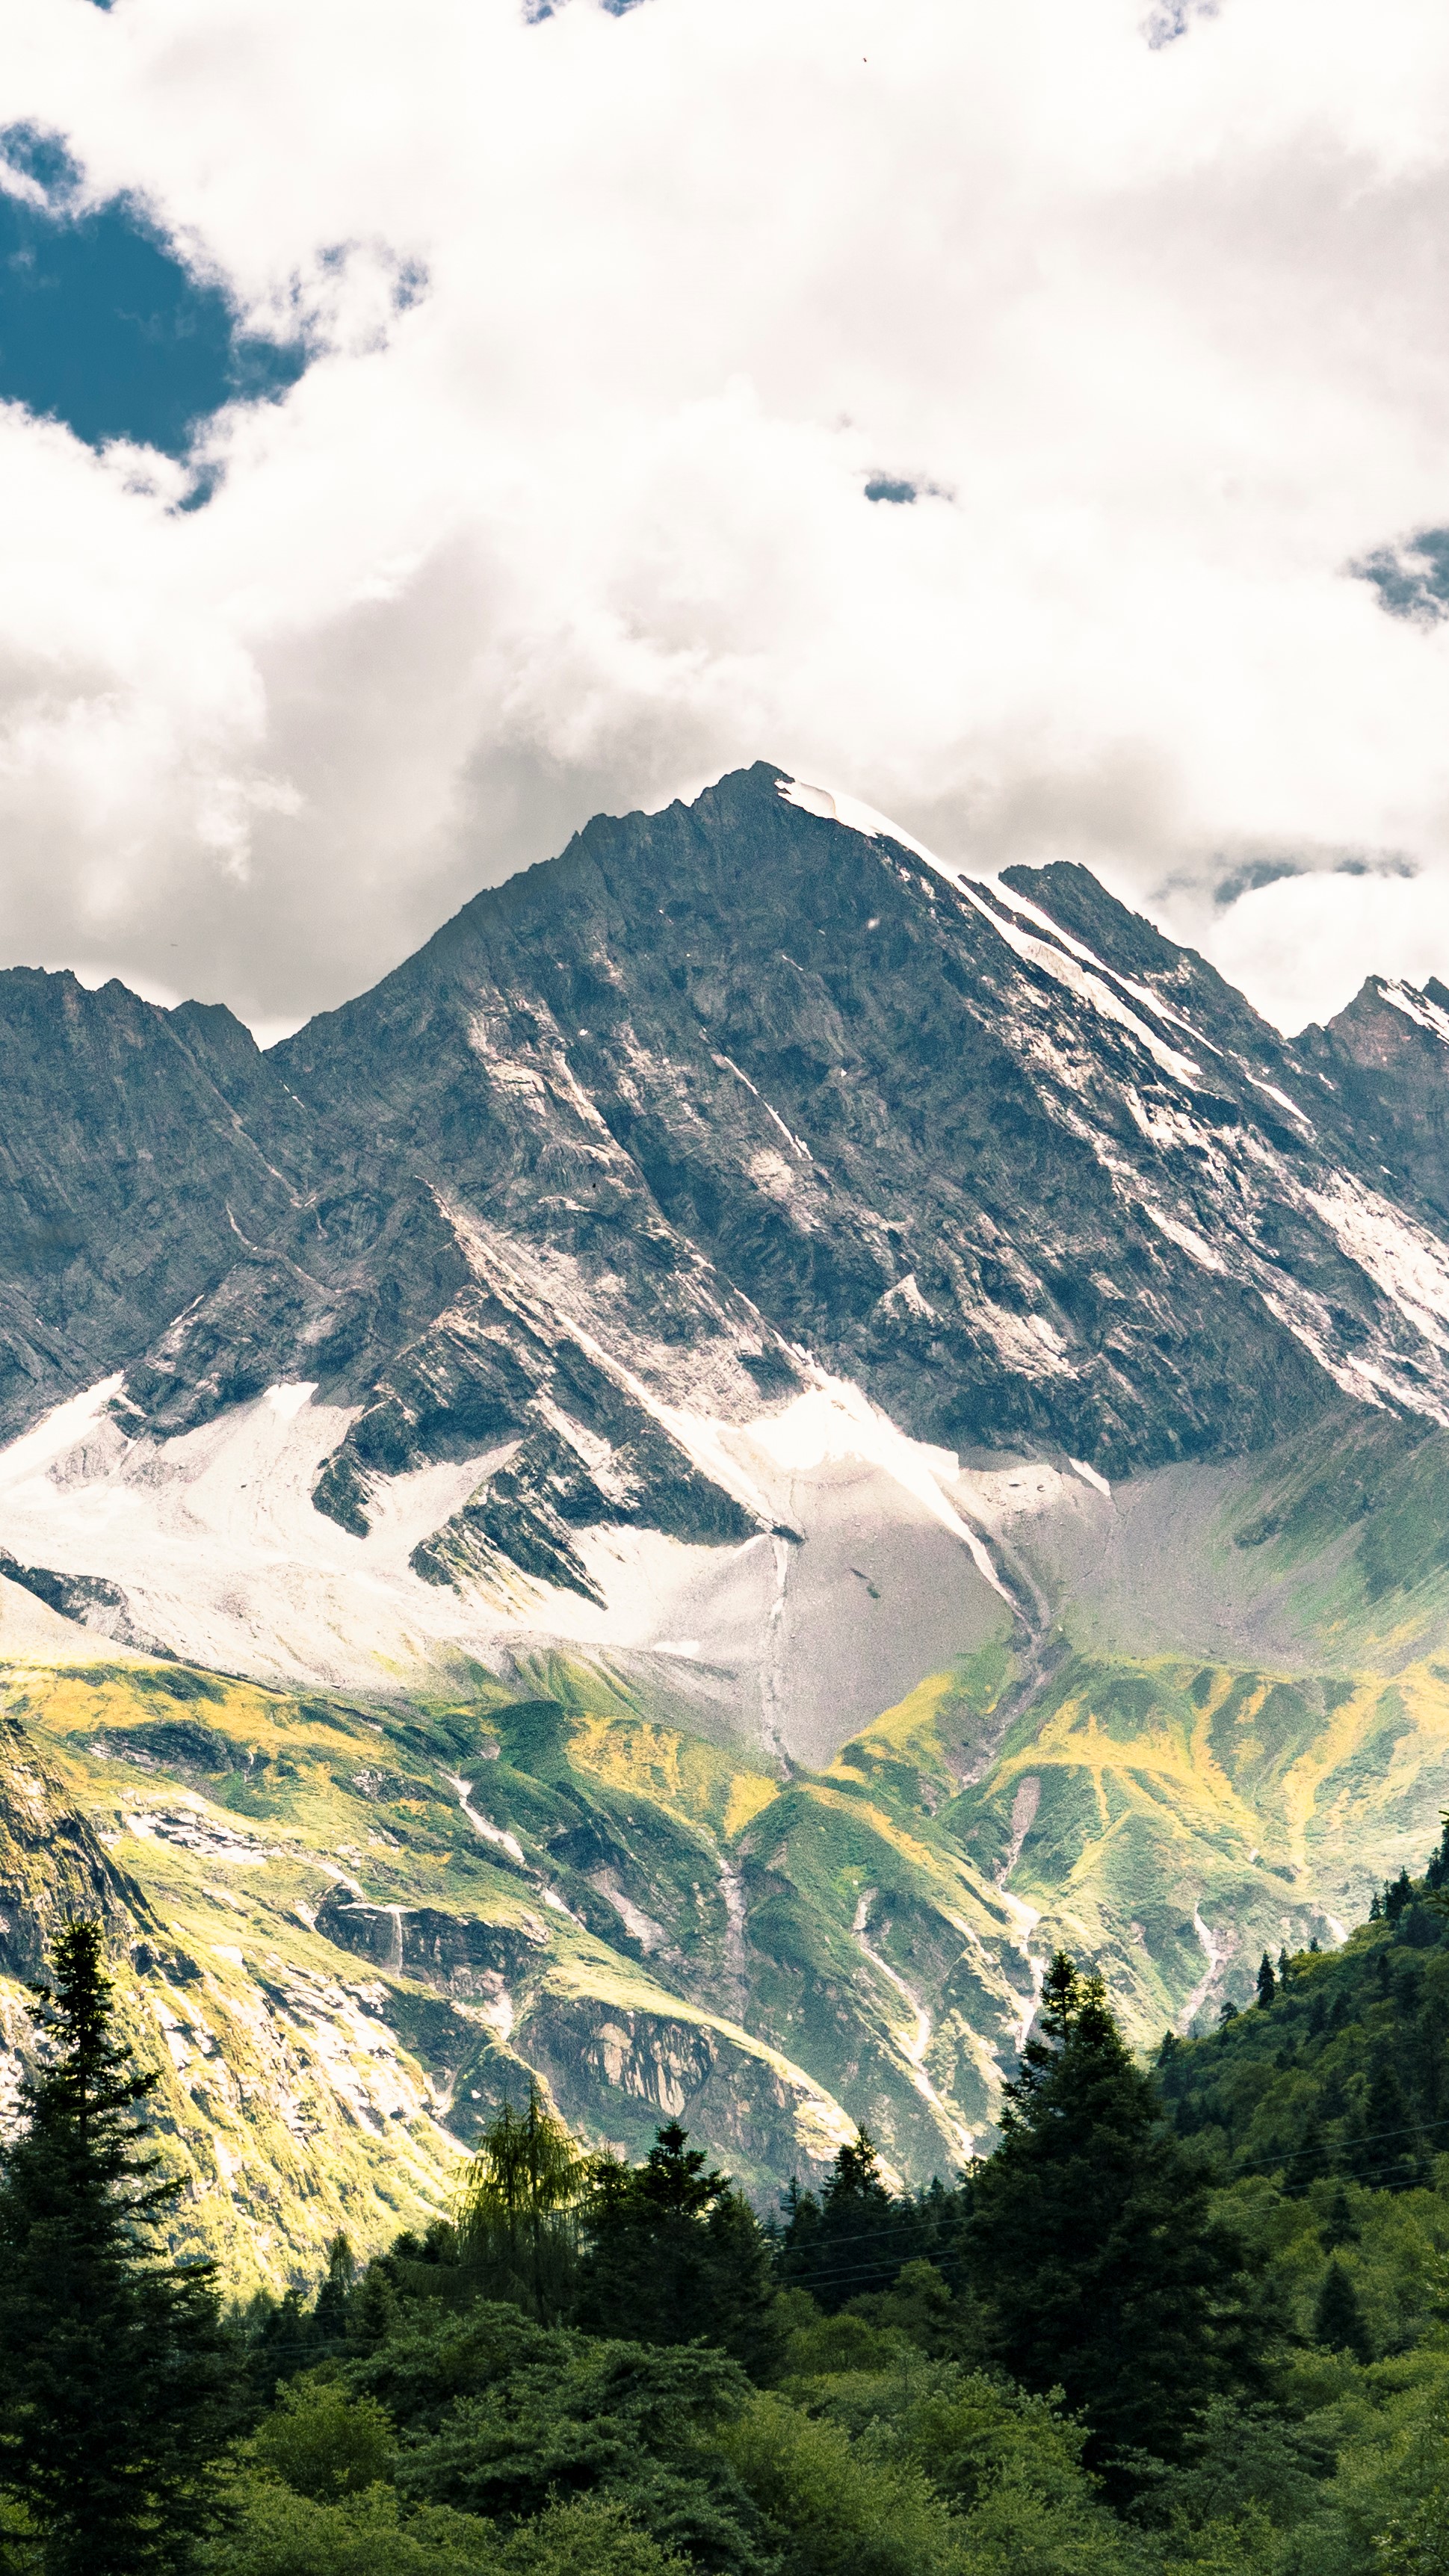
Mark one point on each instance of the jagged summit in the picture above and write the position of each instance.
(740, 1141)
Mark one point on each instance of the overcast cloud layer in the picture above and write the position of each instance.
(1157, 331)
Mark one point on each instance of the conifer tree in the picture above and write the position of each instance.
(116, 2390)
(1311, 2158)
(518, 2223)
(1092, 2243)
(1384, 2146)
(857, 2237)
(1337, 2318)
(675, 2254)
(1397, 1896)
(1267, 1982)
(329, 2315)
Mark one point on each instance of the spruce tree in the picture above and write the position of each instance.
(329, 2314)
(116, 2391)
(1384, 2144)
(1337, 2318)
(676, 2254)
(1092, 2242)
(1267, 1982)
(857, 2237)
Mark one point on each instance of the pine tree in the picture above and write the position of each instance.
(1267, 1983)
(676, 2253)
(1338, 2319)
(1091, 2240)
(1438, 1870)
(518, 2221)
(117, 2386)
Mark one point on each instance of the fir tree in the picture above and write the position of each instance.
(329, 2315)
(675, 2254)
(1384, 2147)
(1438, 1870)
(117, 2384)
(858, 2236)
(1397, 1896)
(1310, 2160)
(1337, 2318)
(1091, 2239)
(1267, 1983)
(1340, 2227)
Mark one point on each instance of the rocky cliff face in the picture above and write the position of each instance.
(735, 1280)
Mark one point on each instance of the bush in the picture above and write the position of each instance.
(843, 2511)
(322, 2443)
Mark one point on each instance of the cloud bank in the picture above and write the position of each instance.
(999, 414)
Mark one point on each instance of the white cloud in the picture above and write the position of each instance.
(586, 523)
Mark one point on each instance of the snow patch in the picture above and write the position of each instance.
(727, 1064)
(1187, 1240)
(58, 1431)
(1417, 1007)
(1282, 1099)
(1089, 1476)
(835, 1421)
(856, 817)
(1404, 1260)
(1085, 984)
(287, 1399)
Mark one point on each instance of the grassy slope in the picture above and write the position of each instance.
(661, 1926)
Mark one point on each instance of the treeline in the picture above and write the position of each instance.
(1187, 2319)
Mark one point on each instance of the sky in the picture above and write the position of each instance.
(421, 429)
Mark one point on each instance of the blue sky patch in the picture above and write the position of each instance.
(103, 327)
(902, 489)
(1411, 578)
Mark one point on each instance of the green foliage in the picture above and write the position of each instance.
(116, 2392)
(1346, 2070)
(844, 2509)
(274, 2532)
(1093, 2243)
(674, 2253)
(1337, 2317)
(620, 2422)
(855, 2237)
(323, 2443)
(518, 2215)
(277, 2533)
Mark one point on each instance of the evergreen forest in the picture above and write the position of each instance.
(1186, 2317)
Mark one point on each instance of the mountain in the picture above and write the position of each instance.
(760, 1432)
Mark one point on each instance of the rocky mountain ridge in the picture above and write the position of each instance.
(738, 1279)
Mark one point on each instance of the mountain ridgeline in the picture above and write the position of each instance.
(758, 1437)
